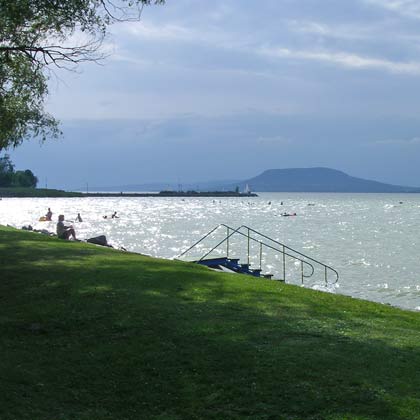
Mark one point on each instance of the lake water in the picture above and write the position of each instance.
(372, 240)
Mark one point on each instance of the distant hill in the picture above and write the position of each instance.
(276, 180)
(318, 180)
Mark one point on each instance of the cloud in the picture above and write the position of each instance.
(407, 8)
(342, 39)
(344, 59)
(270, 58)
(150, 31)
(226, 44)
(176, 32)
(346, 32)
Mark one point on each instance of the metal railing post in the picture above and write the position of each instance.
(248, 246)
(227, 242)
(284, 264)
(301, 269)
(261, 246)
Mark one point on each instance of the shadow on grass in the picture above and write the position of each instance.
(15, 247)
(127, 337)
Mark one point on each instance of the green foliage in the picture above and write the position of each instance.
(6, 171)
(23, 89)
(10, 178)
(94, 334)
(32, 37)
(25, 179)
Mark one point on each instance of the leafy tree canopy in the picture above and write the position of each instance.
(35, 37)
(25, 178)
(6, 171)
(11, 178)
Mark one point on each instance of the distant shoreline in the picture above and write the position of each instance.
(51, 193)
(174, 194)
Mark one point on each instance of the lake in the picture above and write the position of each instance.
(372, 240)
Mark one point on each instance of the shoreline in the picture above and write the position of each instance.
(49, 234)
(173, 194)
(52, 193)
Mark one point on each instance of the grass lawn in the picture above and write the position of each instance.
(89, 333)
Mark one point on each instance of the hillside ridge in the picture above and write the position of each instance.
(318, 179)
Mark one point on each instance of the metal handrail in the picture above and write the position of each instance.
(202, 239)
(294, 250)
(282, 251)
(264, 244)
(222, 241)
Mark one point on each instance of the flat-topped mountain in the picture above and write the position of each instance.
(277, 180)
(318, 180)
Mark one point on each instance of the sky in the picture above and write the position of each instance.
(204, 90)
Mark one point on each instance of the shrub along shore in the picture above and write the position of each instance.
(92, 333)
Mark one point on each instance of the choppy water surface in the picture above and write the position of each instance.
(371, 239)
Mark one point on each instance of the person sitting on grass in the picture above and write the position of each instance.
(63, 231)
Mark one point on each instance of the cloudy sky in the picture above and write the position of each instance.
(224, 89)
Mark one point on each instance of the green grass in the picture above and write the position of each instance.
(90, 333)
(36, 192)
